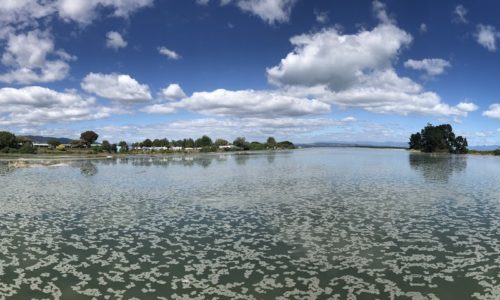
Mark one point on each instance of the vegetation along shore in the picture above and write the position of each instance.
(87, 145)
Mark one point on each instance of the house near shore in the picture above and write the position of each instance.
(227, 147)
(41, 145)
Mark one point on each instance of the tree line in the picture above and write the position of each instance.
(207, 144)
(10, 143)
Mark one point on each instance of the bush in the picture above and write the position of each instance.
(496, 152)
(27, 149)
(61, 147)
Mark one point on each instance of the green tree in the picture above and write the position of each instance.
(438, 139)
(460, 145)
(123, 146)
(221, 142)
(204, 141)
(88, 138)
(271, 142)
(147, 143)
(189, 143)
(415, 141)
(7, 140)
(53, 143)
(257, 146)
(106, 146)
(286, 145)
(242, 143)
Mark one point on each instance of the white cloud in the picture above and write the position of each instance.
(245, 103)
(172, 92)
(270, 11)
(431, 66)
(380, 11)
(423, 28)
(251, 103)
(355, 70)
(159, 108)
(115, 40)
(84, 12)
(31, 57)
(486, 36)
(35, 105)
(26, 12)
(202, 2)
(117, 87)
(321, 17)
(460, 14)
(385, 92)
(169, 53)
(467, 106)
(329, 57)
(493, 111)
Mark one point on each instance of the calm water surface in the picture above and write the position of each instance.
(305, 224)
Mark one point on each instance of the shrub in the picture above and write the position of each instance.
(27, 149)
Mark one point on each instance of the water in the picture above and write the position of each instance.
(304, 224)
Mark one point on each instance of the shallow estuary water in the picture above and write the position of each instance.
(305, 224)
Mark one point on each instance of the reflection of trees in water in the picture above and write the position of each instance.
(271, 156)
(87, 168)
(437, 167)
(241, 159)
(5, 168)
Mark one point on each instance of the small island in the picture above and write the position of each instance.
(87, 145)
(439, 138)
(442, 139)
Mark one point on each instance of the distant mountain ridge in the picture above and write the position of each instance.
(383, 145)
(44, 139)
(356, 144)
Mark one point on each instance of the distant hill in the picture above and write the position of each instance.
(383, 145)
(485, 147)
(356, 144)
(45, 139)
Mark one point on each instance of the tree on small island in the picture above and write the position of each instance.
(438, 139)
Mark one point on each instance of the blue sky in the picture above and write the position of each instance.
(300, 70)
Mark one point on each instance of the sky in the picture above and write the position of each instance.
(301, 70)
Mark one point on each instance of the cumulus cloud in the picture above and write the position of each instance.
(26, 12)
(431, 66)
(31, 57)
(355, 70)
(251, 103)
(85, 11)
(172, 92)
(486, 36)
(467, 106)
(460, 14)
(493, 111)
(270, 11)
(380, 11)
(35, 105)
(116, 87)
(115, 40)
(168, 53)
(384, 92)
(335, 59)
